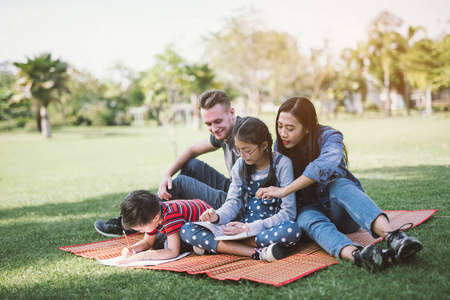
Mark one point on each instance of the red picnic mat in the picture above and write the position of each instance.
(307, 259)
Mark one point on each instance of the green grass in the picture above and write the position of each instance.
(53, 191)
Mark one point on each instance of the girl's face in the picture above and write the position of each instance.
(291, 131)
(253, 154)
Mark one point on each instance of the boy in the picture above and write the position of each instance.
(141, 211)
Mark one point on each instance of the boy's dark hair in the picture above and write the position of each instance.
(210, 98)
(139, 208)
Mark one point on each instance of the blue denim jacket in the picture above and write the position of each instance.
(329, 166)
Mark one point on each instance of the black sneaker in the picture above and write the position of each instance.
(112, 227)
(402, 245)
(271, 253)
(373, 258)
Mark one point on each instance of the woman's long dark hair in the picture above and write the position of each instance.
(254, 131)
(308, 149)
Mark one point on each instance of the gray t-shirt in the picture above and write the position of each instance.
(230, 157)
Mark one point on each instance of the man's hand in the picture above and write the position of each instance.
(164, 187)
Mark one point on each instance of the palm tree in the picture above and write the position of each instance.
(383, 51)
(422, 62)
(42, 80)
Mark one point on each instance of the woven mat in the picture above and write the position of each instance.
(307, 259)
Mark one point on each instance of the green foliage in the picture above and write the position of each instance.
(52, 201)
(42, 78)
(171, 82)
(260, 64)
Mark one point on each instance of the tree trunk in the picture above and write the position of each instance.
(254, 103)
(45, 123)
(428, 101)
(38, 118)
(196, 122)
(387, 87)
(406, 98)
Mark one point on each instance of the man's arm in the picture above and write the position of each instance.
(201, 147)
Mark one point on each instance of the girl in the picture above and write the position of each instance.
(269, 222)
(331, 200)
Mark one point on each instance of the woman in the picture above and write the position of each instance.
(331, 200)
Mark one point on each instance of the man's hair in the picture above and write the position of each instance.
(210, 98)
(139, 208)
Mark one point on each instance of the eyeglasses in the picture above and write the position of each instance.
(245, 154)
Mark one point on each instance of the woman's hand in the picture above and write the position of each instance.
(209, 215)
(234, 228)
(270, 192)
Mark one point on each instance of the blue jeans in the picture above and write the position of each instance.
(285, 234)
(197, 180)
(347, 209)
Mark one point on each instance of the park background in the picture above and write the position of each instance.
(114, 85)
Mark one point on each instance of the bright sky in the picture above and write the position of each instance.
(94, 34)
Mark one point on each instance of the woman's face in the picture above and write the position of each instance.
(291, 131)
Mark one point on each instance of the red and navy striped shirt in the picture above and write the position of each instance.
(175, 213)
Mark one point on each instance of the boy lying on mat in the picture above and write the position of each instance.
(141, 211)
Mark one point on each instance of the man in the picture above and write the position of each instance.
(197, 180)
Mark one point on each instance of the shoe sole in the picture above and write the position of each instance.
(275, 253)
(409, 249)
(199, 251)
(106, 234)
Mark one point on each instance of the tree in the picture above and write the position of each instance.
(383, 53)
(42, 80)
(426, 64)
(10, 110)
(163, 86)
(200, 78)
(352, 77)
(259, 64)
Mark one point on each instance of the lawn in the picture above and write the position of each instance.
(53, 191)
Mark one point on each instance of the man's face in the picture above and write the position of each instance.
(220, 121)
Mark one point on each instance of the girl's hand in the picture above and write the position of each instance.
(209, 215)
(269, 193)
(234, 228)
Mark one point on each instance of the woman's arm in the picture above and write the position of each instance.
(323, 169)
(288, 207)
(271, 192)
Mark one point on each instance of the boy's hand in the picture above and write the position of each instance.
(209, 215)
(126, 252)
(135, 257)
